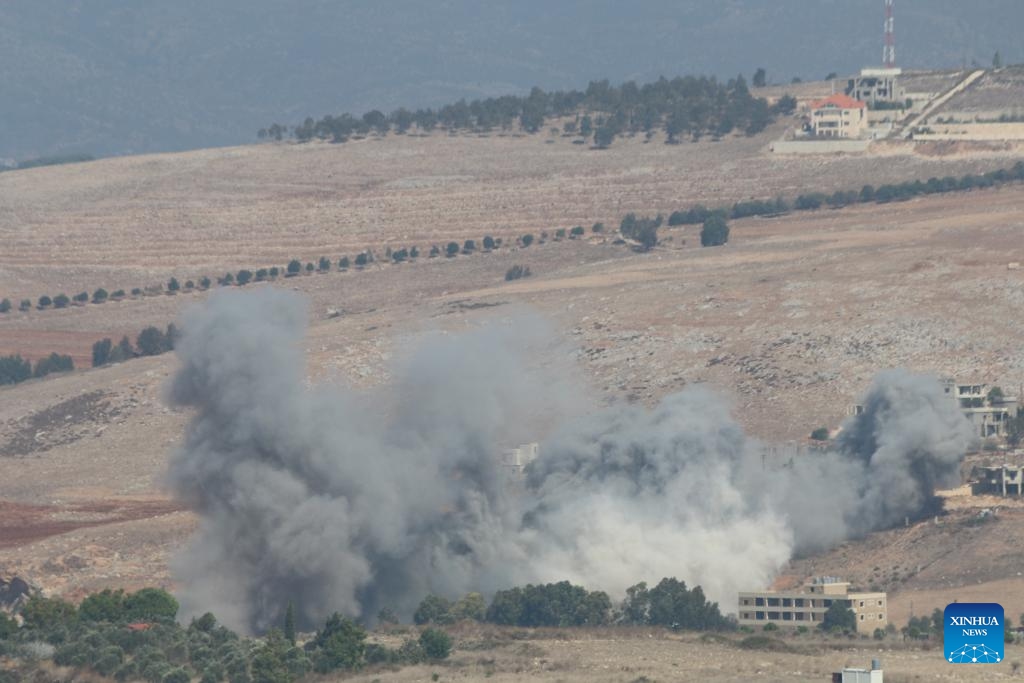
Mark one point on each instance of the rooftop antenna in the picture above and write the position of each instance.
(889, 47)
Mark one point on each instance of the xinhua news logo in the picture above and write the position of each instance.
(973, 633)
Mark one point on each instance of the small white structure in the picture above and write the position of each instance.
(516, 459)
(874, 675)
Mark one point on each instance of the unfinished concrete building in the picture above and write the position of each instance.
(876, 85)
(807, 606)
(516, 459)
(990, 413)
(1003, 480)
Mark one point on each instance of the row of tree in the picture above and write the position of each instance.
(151, 341)
(684, 106)
(14, 369)
(670, 604)
(882, 194)
(134, 636)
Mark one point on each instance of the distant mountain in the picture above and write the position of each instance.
(120, 76)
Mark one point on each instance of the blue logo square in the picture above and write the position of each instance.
(973, 633)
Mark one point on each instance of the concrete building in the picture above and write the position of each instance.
(1005, 480)
(516, 459)
(872, 675)
(838, 116)
(990, 417)
(876, 85)
(807, 606)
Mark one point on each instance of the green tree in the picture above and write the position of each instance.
(150, 604)
(99, 296)
(62, 300)
(432, 610)
(435, 251)
(101, 352)
(310, 268)
(243, 277)
(8, 627)
(268, 662)
(362, 259)
(25, 305)
(488, 242)
(995, 395)
(14, 369)
(469, 246)
(274, 272)
(150, 341)
(343, 263)
(123, 351)
(55, 362)
(436, 643)
(760, 78)
(324, 264)
(173, 286)
(586, 126)
(715, 231)
(637, 605)
(294, 268)
(5, 306)
(820, 434)
(604, 136)
(578, 231)
(997, 60)
(340, 645)
(452, 249)
(107, 605)
(44, 301)
(597, 227)
(204, 282)
(45, 614)
(470, 606)
(189, 285)
(527, 240)
(839, 617)
(262, 274)
(289, 624)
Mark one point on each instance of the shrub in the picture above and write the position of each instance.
(5, 306)
(324, 264)
(189, 285)
(516, 272)
(343, 263)
(414, 252)
(173, 285)
(820, 434)
(436, 643)
(204, 282)
(274, 272)
(432, 610)
(14, 369)
(310, 268)
(362, 259)
(25, 305)
(469, 246)
(560, 234)
(44, 301)
(294, 268)
(99, 296)
(101, 352)
(261, 274)
(61, 300)
(715, 231)
(340, 645)
(578, 231)
(527, 240)
(151, 342)
(452, 249)
(771, 627)
(117, 294)
(45, 614)
(488, 242)
(53, 363)
(81, 298)
(597, 227)
(435, 251)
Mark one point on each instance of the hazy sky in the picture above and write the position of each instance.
(118, 76)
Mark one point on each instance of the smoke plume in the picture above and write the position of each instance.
(337, 500)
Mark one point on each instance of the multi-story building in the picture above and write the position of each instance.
(876, 85)
(807, 606)
(516, 459)
(989, 414)
(838, 116)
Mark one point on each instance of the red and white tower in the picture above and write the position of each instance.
(889, 48)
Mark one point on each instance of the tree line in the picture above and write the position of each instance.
(693, 106)
(134, 636)
(670, 604)
(14, 369)
(882, 194)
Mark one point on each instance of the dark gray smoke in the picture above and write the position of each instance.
(343, 501)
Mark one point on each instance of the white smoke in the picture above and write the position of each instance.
(340, 501)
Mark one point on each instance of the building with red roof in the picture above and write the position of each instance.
(838, 116)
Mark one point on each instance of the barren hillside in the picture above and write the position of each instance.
(790, 320)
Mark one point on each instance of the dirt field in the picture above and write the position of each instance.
(790, 320)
